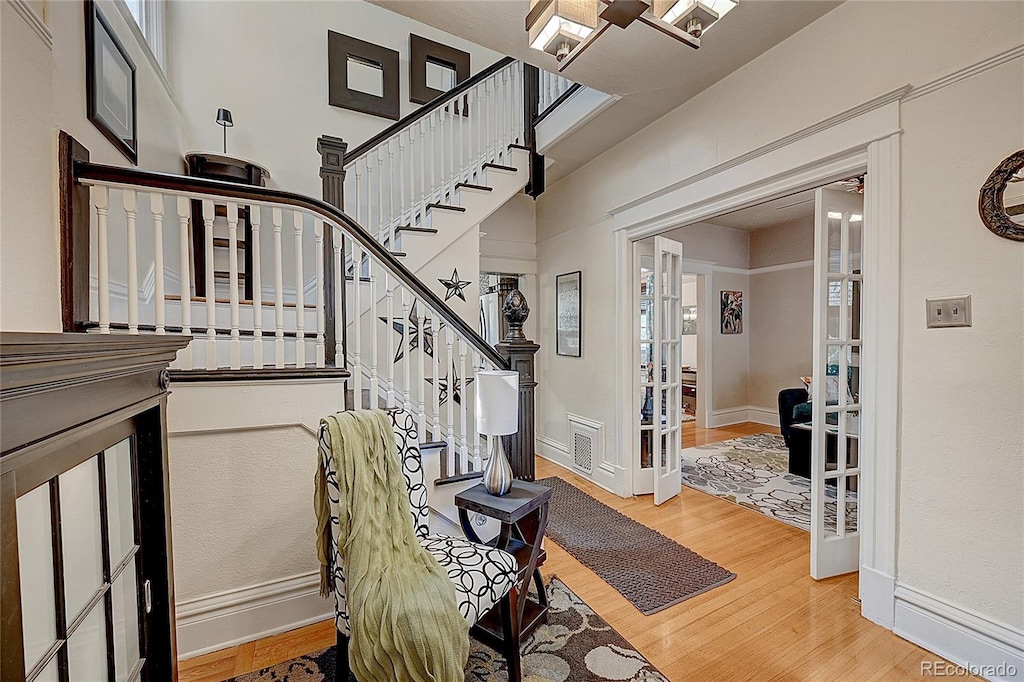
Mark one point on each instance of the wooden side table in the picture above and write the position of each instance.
(523, 514)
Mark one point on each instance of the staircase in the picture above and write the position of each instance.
(333, 287)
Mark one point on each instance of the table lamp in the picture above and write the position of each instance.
(224, 121)
(497, 414)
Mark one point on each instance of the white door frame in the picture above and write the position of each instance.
(865, 138)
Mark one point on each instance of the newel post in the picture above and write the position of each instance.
(520, 353)
(74, 236)
(332, 172)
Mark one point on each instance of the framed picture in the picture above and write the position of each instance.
(732, 312)
(568, 295)
(110, 84)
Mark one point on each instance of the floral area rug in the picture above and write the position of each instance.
(575, 644)
(752, 471)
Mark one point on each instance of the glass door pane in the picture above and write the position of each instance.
(81, 535)
(35, 564)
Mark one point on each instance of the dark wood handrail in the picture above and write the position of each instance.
(190, 185)
(430, 106)
(569, 92)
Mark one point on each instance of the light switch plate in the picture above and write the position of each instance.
(954, 311)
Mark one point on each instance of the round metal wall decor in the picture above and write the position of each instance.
(990, 200)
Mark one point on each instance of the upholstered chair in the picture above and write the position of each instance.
(483, 576)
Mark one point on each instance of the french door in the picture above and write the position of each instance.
(658, 267)
(836, 408)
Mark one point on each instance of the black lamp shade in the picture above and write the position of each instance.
(224, 118)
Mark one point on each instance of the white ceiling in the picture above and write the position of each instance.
(774, 212)
(770, 213)
(651, 71)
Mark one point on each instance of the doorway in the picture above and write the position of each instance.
(813, 238)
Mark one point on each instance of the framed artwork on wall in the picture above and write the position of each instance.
(568, 319)
(689, 320)
(362, 76)
(732, 312)
(110, 84)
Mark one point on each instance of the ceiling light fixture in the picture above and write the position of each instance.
(565, 28)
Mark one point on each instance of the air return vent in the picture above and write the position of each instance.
(586, 442)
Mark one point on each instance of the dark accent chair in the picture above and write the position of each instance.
(797, 440)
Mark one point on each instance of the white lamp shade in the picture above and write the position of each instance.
(497, 402)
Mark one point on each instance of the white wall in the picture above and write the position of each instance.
(962, 503)
(781, 311)
(510, 233)
(267, 63)
(43, 92)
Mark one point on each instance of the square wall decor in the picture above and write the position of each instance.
(362, 76)
(110, 84)
(424, 53)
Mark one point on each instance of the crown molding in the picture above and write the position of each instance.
(35, 22)
(965, 73)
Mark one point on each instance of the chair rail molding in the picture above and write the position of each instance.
(35, 22)
(863, 139)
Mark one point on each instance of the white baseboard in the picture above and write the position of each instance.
(769, 416)
(744, 413)
(558, 453)
(228, 618)
(984, 647)
(876, 600)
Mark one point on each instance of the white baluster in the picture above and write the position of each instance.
(357, 316)
(211, 300)
(257, 289)
(389, 358)
(381, 225)
(236, 342)
(300, 295)
(506, 111)
(435, 362)
(422, 124)
(432, 187)
(403, 160)
(453, 386)
(487, 125)
(102, 196)
(358, 213)
(476, 131)
(156, 206)
(318, 231)
(464, 445)
(407, 353)
(339, 299)
(185, 268)
(391, 196)
(130, 201)
(475, 446)
(372, 320)
(278, 291)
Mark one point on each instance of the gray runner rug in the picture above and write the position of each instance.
(650, 570)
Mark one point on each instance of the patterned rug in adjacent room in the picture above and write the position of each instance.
(753, 471)
(575, 644)
(650, 570)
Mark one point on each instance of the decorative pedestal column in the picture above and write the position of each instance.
(520, 352)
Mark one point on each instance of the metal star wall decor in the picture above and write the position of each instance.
(413, 335)
(456, 383)
(454, 286)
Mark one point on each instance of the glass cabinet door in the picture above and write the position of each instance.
(82, 600)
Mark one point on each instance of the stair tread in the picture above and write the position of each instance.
(498, 166)
(519, 146)
(399, 254)
(224, 242)
(414, 228)
(447, 207)
(469, 185)
(225, 274)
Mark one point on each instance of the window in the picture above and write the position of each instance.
(149, 19)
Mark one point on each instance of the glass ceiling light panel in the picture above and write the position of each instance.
(680, 12)
(556, 25)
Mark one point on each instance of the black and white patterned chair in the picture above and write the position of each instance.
(483, 576)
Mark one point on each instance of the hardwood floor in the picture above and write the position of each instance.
(773, 622)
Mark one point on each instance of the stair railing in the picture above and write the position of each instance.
(420, 354)
(393, 179)
(552, 87)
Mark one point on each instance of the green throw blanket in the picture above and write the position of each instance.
(405, 622)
